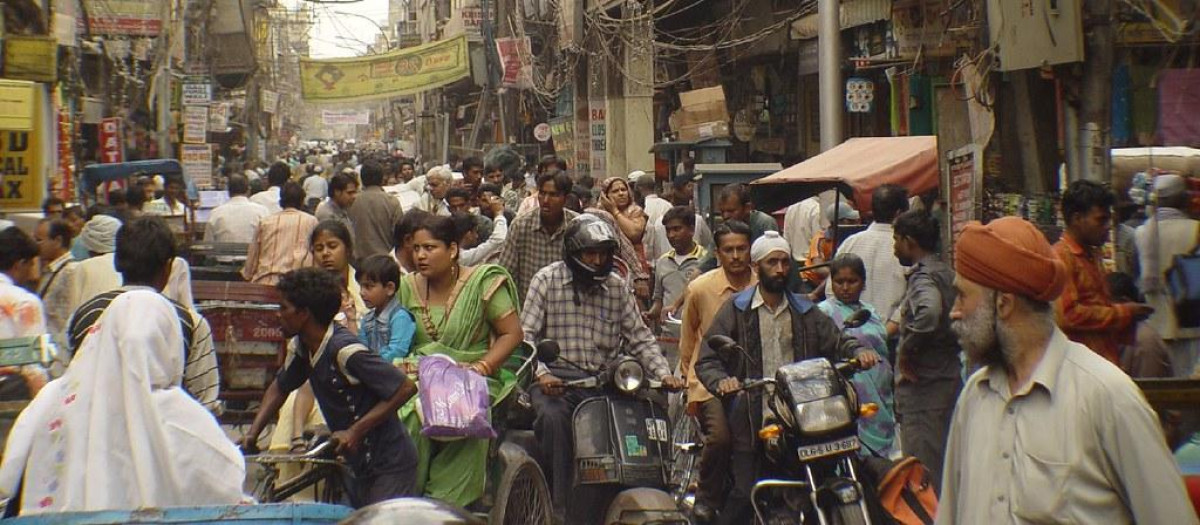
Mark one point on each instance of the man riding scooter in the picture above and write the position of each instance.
(589, 312)
(776, 327)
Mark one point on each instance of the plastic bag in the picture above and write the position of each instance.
(454, 400)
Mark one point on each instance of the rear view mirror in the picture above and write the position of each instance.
(548, 350)
(722, 344)
(857, 319)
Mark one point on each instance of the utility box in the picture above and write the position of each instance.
(1030, 35)
(703, 115)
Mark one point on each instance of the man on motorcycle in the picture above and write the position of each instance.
(776, 327)
(590, 312)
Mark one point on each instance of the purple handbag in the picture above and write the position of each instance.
(454, 400)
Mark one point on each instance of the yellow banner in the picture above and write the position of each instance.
(23, 182)
(401, 72)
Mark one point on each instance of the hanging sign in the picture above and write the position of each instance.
(541, 132)
(112, 147)
(401, 72)
(860, 95)
(31, 58)
(195, 93)
(966, 170)
(195, 124)
(16, 104)
(124, 17)
(218, 117)
(515, 61)
(270, 101)
(339, 117)
(197, 164)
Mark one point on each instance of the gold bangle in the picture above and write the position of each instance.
(486, 368)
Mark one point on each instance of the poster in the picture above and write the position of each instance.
(516, 63)
(597, 117)
(124, 17)
(966, 172)
(21, 174)
(400, 72)
(341, 117)
(197, 164)
(195, 124)
(218, 117)
(562, 130)
(112, 147)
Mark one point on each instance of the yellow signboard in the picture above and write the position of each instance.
(401, 72)
(16, 104)
(31, 58)
(21, 179)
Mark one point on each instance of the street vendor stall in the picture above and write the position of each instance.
(855, 168)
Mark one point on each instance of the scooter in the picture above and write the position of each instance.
(812, 436)
(622, 440)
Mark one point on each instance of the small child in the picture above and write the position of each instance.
(387, 328)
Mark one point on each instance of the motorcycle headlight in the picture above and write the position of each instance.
(823, 415)
(628, 376)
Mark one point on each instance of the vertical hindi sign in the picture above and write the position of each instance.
(197, 164)
(112, 148)
(966, 170)
(195, 124)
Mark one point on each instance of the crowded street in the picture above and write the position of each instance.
(849, 262)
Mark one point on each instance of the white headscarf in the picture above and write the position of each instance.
(117, 431)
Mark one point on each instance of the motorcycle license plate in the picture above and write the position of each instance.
(828, 449)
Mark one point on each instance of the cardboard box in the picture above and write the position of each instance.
(703, 131)
(703, 115)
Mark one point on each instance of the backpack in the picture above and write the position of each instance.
(904, 490)
(1183, 283)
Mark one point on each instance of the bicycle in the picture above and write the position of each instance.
(326, 474)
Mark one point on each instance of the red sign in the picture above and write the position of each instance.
(515, 62)
(112, 147)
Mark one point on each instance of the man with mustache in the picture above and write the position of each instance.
(776, 327)
(1047, 431)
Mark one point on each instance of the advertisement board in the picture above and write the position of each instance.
(401, 72)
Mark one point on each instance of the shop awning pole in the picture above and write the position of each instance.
(829, 51)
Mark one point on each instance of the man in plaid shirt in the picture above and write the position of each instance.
(590, 312)
(536, 239)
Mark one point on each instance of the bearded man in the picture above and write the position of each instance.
(1047, 431)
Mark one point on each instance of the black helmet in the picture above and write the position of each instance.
(588, 232)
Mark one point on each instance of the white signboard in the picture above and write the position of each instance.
(197, 164)
(339, 117)
(195, 93)
(195, 124)
(541, 132)
(270, 101)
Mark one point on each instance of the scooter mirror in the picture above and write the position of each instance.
(548, 350)
(857, 319)
(722, 344)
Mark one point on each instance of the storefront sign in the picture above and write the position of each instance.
(515, 61)
(31, 58)
(401, 72)
(16, 104)
(196, 93)
(966, 172)
(344, 117)
(124, 17)
(472, 20)
(860, 95)
(195, 124)
(197, 164)
(597, 121)
(562, 129)
(21, 178)
(112, 141)
(541, 132)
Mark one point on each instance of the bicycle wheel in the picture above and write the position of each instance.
(685, 459)
(522, 497)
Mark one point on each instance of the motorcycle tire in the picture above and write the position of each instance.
(848, 514)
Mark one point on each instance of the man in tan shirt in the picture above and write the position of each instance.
(703, 297)
(1047, 431)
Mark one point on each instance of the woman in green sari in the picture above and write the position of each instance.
(470, 315)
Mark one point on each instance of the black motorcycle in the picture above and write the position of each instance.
(622, 441)
(811, 435)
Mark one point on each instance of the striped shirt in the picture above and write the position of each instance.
(280, 245)
(201, 377)
(593, 330)
(530, 247)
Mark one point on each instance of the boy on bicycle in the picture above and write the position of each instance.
(358, 392)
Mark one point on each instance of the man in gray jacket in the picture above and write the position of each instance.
(776, 327)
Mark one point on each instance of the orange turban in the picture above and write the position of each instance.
(1012, 256)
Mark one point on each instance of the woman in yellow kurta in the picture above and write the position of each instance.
(470, 315)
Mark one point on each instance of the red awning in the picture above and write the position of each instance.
(856, 167)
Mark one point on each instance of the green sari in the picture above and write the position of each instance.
(456, 471)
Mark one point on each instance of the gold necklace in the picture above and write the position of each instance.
(426, 318)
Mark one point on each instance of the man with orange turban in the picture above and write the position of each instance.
(1047, 431)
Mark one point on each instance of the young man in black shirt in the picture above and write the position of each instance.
(359, 393)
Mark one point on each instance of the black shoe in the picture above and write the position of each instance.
(702, 514)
